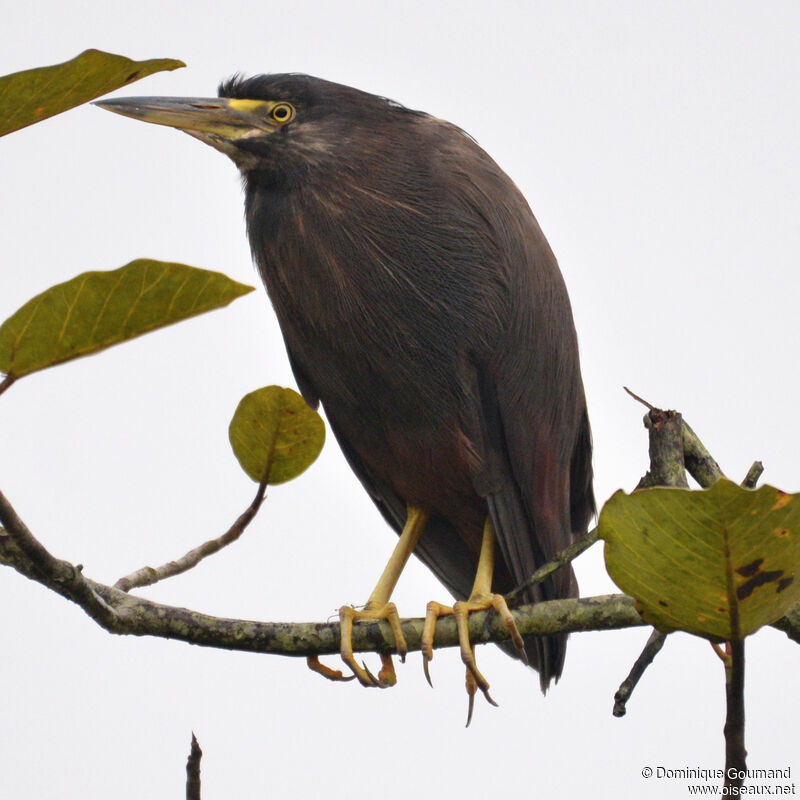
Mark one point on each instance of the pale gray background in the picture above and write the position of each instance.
(658, 146)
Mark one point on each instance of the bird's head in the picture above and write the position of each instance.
(281, 125)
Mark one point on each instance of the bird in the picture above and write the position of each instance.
(422, 306)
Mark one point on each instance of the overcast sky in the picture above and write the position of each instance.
(659, 146)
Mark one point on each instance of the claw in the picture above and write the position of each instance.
(461, 612)
(501, 607)
(475, 681)
(472, 687)
(433, 611)
(373, 681)
(425, 669)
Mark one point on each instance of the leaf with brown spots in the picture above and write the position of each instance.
(36, 94)
(718, 563)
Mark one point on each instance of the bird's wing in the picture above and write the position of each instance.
(526, 478)
(528, 413)
(441, 548)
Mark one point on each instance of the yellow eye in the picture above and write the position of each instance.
(282, 112)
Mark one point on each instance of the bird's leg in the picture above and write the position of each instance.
(379, 607)
(480, 598)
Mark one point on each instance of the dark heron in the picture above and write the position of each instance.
(421, 304)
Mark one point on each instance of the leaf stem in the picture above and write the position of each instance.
(6, 383)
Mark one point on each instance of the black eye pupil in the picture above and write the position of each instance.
(281, 112)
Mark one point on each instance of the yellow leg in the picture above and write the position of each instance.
(379, 607)
(480, 598)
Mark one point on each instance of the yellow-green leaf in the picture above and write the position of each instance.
(275, 434)
(96, 310)
(36, 94)
(718, 563)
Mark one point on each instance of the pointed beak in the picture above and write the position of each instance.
(224, 117)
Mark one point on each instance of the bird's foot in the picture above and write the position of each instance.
(433, 611)
(386, 676)
(461, 611)
(315, 665)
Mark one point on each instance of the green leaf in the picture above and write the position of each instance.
(275, 434)
(718, 563)
(36, 94)
(96, 310)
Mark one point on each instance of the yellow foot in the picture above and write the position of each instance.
(432, 613)
(315, 665)
(472, 686)
(461, 610)
(387, 676)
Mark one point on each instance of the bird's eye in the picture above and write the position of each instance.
(282, 112)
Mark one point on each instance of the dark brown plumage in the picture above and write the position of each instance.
(421, 304)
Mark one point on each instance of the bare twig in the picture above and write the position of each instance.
(561, 559)
(6, 383)
(650, 651)
(147, 576)
(193, 771)
(639, 399)
(719, 652)
(753, 474)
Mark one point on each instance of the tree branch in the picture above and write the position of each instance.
(140, 617)
(735, 752)
(753, 474)
(665, 446)
(650, 651)
(122, 613)
(699, 462)
(561, 559)
(147, 576)
(673, 447)
(61, 576)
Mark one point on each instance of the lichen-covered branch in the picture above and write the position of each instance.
(666, 450)
(753, 474)
(140, 617)
(699, 462)
(122, 613)
(37, 563)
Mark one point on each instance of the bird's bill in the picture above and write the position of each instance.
(229, 118)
